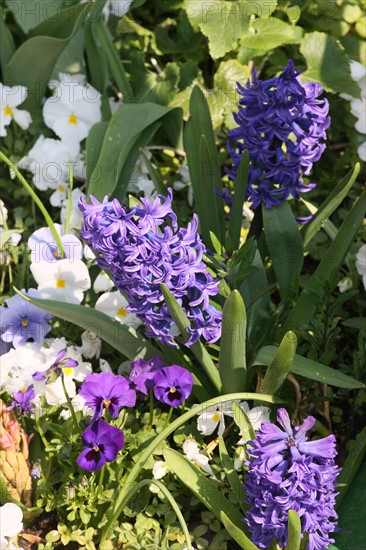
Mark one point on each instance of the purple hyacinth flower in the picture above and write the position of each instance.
(172, 385)
(286, 471)
(143, 247)
(55, 370)
(22, 399)
(101, 443)
(22, 321)
(142, 373)
(282, 123)
(107, 391)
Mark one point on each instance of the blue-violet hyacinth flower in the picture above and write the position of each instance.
(282, 123)
(21, 321)
(142, 373)
(172, 385)
(22, 399)
(143, 247)
(286, 471)
(57, 368)
(101, 443)
(107, 391)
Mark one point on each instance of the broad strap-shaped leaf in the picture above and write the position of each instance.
(328, 269)
(351, 465)
(330, 204)
(121, 337)
(130, 128)
(232, 361)
(204, 488)
(160, 188)
(243, 422)
(310, 369)
(29, 65)
(231, 475)
(237, 534)
(280, 365)
(236, 211)
(197, 348)
(284, 245)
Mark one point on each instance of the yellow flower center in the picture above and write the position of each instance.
(57, 254)
(106, 403)
(172, 390)
(122, 312)
(60, 283)
(68, 371)
(8, 111)
(216, 417)
(24, 323)
(61, 188)
(73, 119)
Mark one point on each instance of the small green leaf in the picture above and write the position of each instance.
(327, 64)
(310, 369)
(232, 363)
(236, 533)
(267, 34)
(29, 15)
(294, 531)
(226, 78)
(243, 422)
(280, 366)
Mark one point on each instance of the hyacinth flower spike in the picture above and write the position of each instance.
(288, 472)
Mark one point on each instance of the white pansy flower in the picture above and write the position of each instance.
(212, 417)
(78, 402)
(65, 280)
(11, 524)
(102, 283)
(3, 213)
(88, 253)
(72, 110)
(358, 105)
(76, 219)
(18, 365)
(54, 393)
(55, 345)
(361, 263)
(91, 345)
(239, 458)
(191, 450)
(344, 284)
(48, 160)
(104, 365)
(59, 196)
(43, 246)
(10, 98)
(160, 469)
(115, 305)
(361, 151)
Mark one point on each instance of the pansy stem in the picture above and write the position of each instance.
(70, 405)
(168, 417)
(101, 477)
(151, 416)
(40, 430)
(38, 202)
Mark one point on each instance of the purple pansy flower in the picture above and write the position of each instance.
(107, 391)
(142, 373)
(55, 370)
(172, 385)
(101, 443)
(22, 399)
(286, 471)
(282, 123)
(22, 321)
(143, 247)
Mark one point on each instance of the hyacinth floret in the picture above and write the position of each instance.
(286, 471)
(282, 123)
(143, 247)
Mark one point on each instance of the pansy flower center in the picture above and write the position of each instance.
(121, 312)
(8, 111)
(25, 323)
(106, 403)
(73, 119)
(216, 417)
(61, 188)
(60, 283)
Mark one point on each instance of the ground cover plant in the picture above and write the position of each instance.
(182, 274)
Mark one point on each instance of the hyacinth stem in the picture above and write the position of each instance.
(151, 415)
(38, 202)
(71, 407)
